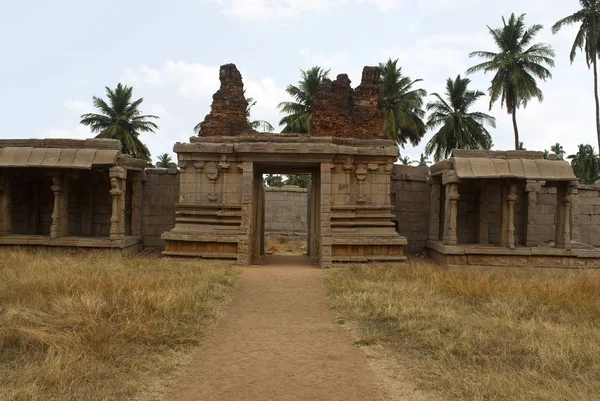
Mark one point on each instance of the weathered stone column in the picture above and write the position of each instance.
(434, 210)
(483, 235)
(575, 212)
(245, 244)
(326, 241)
(510, 200)
(532, 188)
(136, 203)
(60, 220)
(562, 235)
(451, 218)
(5, 205)
(118, 176)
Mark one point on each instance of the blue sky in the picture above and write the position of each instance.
(57, 54)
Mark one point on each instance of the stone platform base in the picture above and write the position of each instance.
(495, 256)
(126, 246)
(386, 249)
(201, 246)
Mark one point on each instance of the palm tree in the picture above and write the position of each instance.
(423, 161)
(586, 164)
(586, 40)
(459, 128)
(403, 105)
(405, 161)
(121, 119)
(517, 65)
(252, 125)
(164, 161)
(557, 149)
(299, 111)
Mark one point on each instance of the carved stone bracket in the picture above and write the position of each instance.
(361, 175)
(224, 164)
(212, 172)
(349, 164)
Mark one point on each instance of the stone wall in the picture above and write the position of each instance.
(589, 214)
(286, 210)
(410, 198)
(160, 193)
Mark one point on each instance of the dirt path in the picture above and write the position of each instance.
(279, 341)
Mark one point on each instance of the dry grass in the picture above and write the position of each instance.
(97, 327)
(481, 334)
(286, 244)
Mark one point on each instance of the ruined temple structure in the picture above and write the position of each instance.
(340, 111)
(484, 211)
(228, 111)
(220, 213)
(64, 193)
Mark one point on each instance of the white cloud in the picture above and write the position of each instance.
(265, 9)
(78, 106)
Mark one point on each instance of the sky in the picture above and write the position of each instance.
(57, 54)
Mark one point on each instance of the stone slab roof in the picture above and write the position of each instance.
(57, 157)
(525, 169)
(89, 143)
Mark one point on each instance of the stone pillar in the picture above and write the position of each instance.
(326, 241)
(562, 235)
(5, 205)
(87, 213)
(245, 245)
(60, 216)
(575, 212)
(451, 217)
(434, 211)
(136, 203)
(532, 188)
(118, 177)
(510, 200)
(483, 235)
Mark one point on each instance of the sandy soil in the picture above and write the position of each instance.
(279, 341)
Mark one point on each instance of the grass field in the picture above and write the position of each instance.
(100, 327)
(470, 334)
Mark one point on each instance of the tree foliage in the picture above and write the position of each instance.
(516, 66)
(586, 40)
(459, 128)
(164, 161)
(403, 121)
(586, 164)
(298, 118)
(122, 119)
(273, 180)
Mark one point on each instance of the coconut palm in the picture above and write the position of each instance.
(423, 161)
(164, 161)
(516, 66)
(403, 105)
(459, 128)
(298, 117)
(587, 40)
(405, 161)
(586, 164)
(557, 149)
(122, 119)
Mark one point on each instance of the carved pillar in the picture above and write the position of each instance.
(60, 219)
(361, 175)
(118, 177)
(510, 201)
(483, 236)
(434, 211)
(451, 218)
(532, 188)
(326, 240)
(136, 203)
(5, 205)
(247, 226)
(562, 236)
(87, 212)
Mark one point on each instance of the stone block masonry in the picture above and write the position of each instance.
(286, 210)
(161, 194)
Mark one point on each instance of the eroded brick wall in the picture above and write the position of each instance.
(286, 210)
